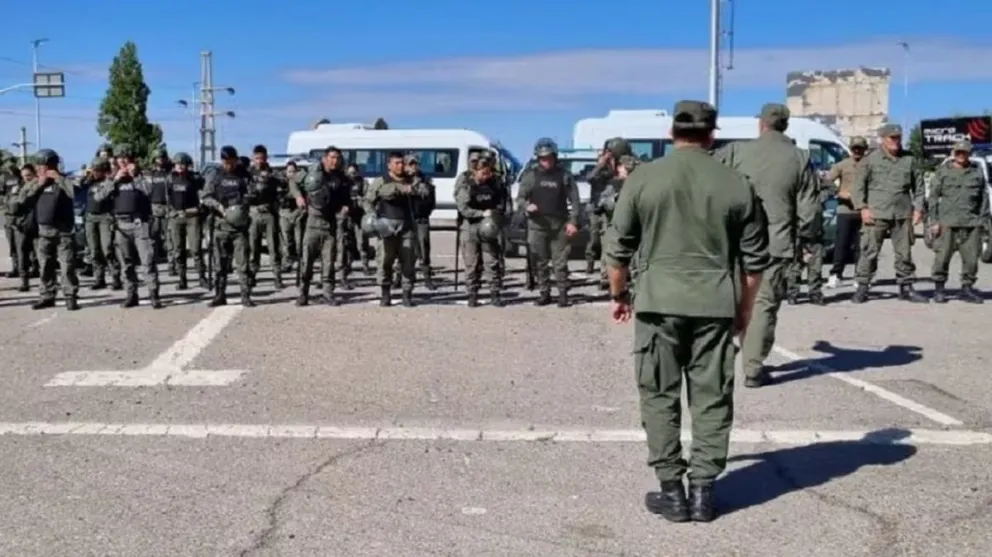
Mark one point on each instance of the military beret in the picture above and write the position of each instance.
(890, 130)
(962, 147)
(774, 112)
(697, 115)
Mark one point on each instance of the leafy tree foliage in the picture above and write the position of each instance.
(124, 110)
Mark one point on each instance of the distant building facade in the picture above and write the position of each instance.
(852, 102)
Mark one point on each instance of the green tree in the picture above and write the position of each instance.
(7, 155)
(124, 110)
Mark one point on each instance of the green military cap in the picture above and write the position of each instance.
(697, 115)
(858, 141)
(774, 112)
(962, 147)
(100, 164)
(618, 147)
(890, 130)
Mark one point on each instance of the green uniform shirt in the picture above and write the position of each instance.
(958, 196)
(845, 171)
(786, 183)
(694, 223)
(890, 185)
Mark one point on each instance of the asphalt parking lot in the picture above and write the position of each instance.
(445, 430)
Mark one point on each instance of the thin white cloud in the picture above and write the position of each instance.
(570, 73)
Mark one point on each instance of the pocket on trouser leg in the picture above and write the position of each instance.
(646, 362)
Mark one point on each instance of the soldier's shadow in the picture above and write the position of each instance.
(773, 474)
(843, 360)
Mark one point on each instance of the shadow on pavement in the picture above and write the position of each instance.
(774, 474)
(844, 360)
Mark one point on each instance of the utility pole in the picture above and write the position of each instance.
(208, 108)
(37, 101)
(905, 89)
(715, 53)
(22, 145)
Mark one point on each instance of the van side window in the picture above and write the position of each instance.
(437, 163)
(825, 154)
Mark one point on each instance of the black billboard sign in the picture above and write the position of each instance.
(940, 135)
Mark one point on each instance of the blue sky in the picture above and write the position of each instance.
(516, 72)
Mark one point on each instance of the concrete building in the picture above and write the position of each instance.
(852, 102)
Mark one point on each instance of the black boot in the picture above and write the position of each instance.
(72, 303)
(495, 299)
(366, 268)
(86, 271)
(35, 273)
(669, 502)
(385, 297)
(544, 299)
(25, 286)
(939, 293)
(429, 280)
(473, 299)
(183, 283)
(100, 283)
(172, 269)
(860, 295)
(909, 294)
(970, 295)
(278, 283)
(154, 300)
(246, 300)
(817, 299)
(590, 267)
(346, 282)
(116, 284)
(330, 299)
(13, 274)
(220, 291)
(408, 298)
(251, 279)
(563, 301)
(43, 304)
(304, 298)
(701, 508)
(130, 300)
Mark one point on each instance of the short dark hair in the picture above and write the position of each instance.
(29, 166)
(291, 163)
(396, 155)
(331, 149)
(260, 150)
(691, 135)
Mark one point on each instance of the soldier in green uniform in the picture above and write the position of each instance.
(10, 183)
(264, 219)
(325, 193)
(291, 217)
(50, 198)
(848, 220)
(959, 207)
(157, 178)
(607, 203)
(356, 212)
(229, 193)
(600, 178)
(808, 257)
(24, 229)
(702, 228)
(392, 199)
(480, 208)
(422, 215)
(787, 185)
(888, 192)
(101, 228)
(550, 198)
(129, 195)
(185, 227)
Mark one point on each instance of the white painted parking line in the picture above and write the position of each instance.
(43, 321)
(169, 368)
(303, 431)
(884, 394)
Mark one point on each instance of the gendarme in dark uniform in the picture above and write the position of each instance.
(888, 192)
(228, 193)
(696, 225)
(959, 207)
(550, 198)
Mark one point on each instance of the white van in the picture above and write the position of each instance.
(443, 155)
(649, 134)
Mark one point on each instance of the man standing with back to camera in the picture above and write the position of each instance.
(701, 234)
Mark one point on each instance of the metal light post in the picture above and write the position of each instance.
(37, 101)
(905, 88)
(715, 53)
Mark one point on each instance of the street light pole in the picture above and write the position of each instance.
(37, 101)
(715, 53)
(905, 88)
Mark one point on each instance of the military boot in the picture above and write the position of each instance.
(278, 283)
(817, 299)
(346, 282)
(330, 299)
(246, 300)
(13, 274)
(669, 502)
(495, 299)
(220, 291)
(86, 271)
(71, 303)
(408, 298)
(44, 303)
(385, 297)
(35, 272)
(100, 283)
(792, 298)
(701, 507)
(172, 269)
(252, 282)
(116, 284)
(970, 295)
(154, 300)
(130, 300)
(939, 293)
(544, 299)
(563, 301)
(183, 283)
(909, 294)
(25, 285)
(473, 298)
(429, 279)
(590, 267)
(860, 295)
(366, 268)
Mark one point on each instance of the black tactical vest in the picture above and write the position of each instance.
(549, 192)
(232, 188)
(483, 197)
(264, 184)
(94, 207)
(54, 207)
(129, 200)
(158, 181)
(183, 192)
(397, 208)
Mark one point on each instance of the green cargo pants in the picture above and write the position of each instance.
(187, 239)
(549, 249)
(759, 338)
(136, 248)
(402, 247)
(480, 256)
(100, 231)
(159, 231)
(813, 268)
(872, 236)
(10, 232)
(319, 244)
(594, 249)
(264, 223)
(667, 350)
(52, 247)
(966, 241)
(291, 234)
